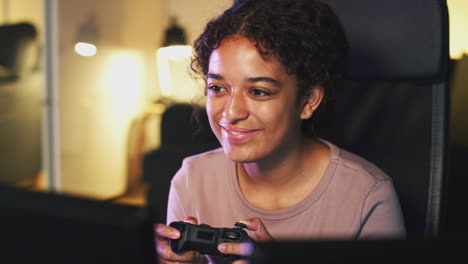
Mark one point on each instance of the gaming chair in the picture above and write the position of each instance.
(393, 109)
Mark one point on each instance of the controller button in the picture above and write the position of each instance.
(231, 235)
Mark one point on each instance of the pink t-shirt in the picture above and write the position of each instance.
(354, 200)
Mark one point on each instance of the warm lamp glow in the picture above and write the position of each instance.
(176, 53)
(458, 25)
(175, 80)
(164, 75)
(165, 56)
(125, 80)
(85, 49)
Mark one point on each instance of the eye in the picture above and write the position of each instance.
(215, 89)
(259, 92)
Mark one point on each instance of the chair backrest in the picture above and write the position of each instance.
(21, 102)
(18, 50)
(186, 126)
(393, 110)
(182, 135)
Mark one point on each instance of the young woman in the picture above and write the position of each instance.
(270, 67)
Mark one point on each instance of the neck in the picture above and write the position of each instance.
(290, 178)
(279, 169)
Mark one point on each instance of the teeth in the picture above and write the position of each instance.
(235, 133)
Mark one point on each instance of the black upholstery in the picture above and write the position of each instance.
(181, 136)
(396, 40)
(21, 88)
(18, 50)
(393, 109)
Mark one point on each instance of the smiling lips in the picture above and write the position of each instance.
(236, 134)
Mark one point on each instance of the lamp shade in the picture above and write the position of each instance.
(86, 37)
(174, 35)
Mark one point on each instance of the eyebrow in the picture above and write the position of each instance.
(274, 82)
(214, 76)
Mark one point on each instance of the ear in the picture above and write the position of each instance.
(311, 101)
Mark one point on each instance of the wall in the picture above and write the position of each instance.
(458, 27)
(100, 96)
(193, 15)
(459, 88)
(458, 105)
(13, 11)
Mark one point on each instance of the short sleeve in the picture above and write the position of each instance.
(381, 216)
(176, 211)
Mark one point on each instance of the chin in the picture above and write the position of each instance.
(241, 159)
(242, 154)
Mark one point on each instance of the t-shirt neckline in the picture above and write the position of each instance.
(296, 209)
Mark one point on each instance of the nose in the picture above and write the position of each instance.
(236, 108)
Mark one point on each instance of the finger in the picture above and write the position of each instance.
(256, 229)
(192, 259)
(241, 261)
(171, 257)
(192, 220)
(253, 224)
(240, 249)
(163, 248)
(164, 231)
(165, 252)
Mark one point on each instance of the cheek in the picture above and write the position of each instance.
(213, 108)
(215, 105)
(281, 119)
(277, 113)
(210, 106)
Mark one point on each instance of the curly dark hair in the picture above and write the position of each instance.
(305, 36)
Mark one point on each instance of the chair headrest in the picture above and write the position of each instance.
(182, 125)
(397, 39)
(17, 48)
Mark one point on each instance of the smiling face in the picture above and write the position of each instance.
(252, 103)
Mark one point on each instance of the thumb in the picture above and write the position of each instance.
(192, 220)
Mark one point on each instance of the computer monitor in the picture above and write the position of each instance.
(450, 249)
(38, 227)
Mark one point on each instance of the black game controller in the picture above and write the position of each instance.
(205, 239)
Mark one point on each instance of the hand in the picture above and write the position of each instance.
(165, 253)
(256, 230)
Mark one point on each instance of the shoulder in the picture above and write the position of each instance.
(207, 160)
(355, 169)
(363, 184)
(357, 165)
